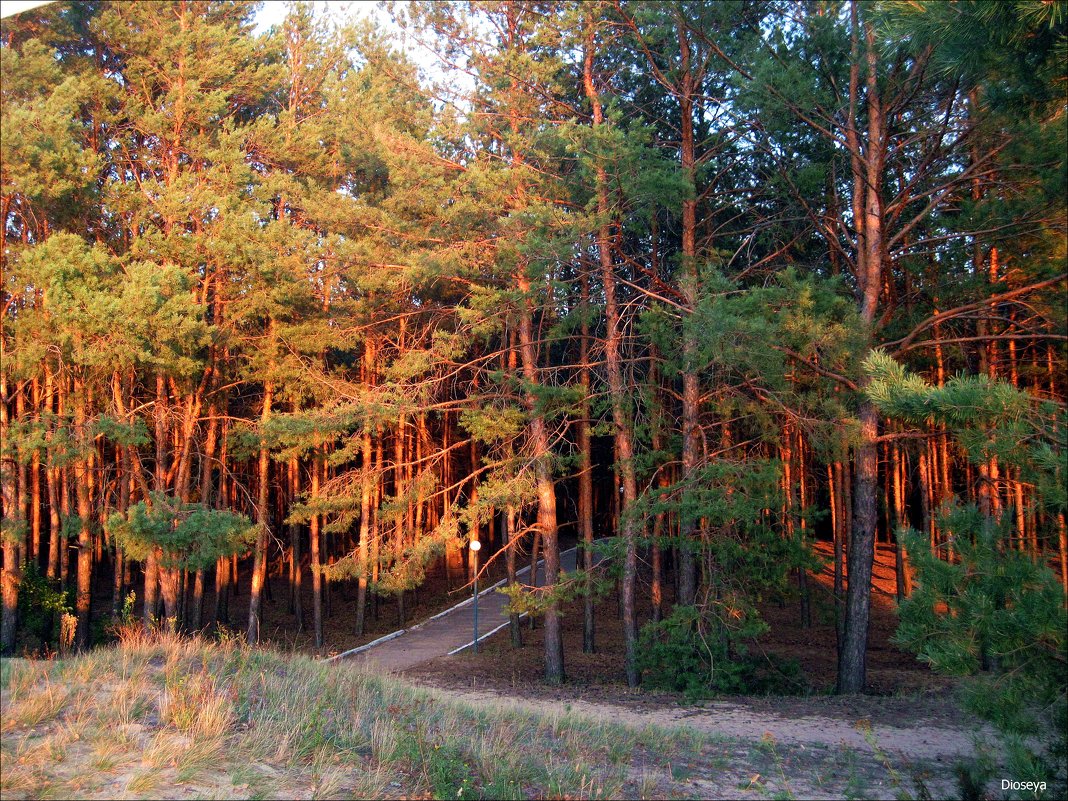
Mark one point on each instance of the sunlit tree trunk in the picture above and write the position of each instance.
(614, 368)
(85, 516)
(35, 485)
(315, 552)
(11, 575)
(897, 468)
(259, 559)
(152, 572)
(871, 253)
(366, 531)
(546, 491)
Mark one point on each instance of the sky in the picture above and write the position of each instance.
(274, 11)
(9, 7)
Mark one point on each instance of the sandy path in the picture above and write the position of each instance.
(735, 721)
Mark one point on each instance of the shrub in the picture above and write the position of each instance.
(42, 602)
(998, 618)
(691, 652)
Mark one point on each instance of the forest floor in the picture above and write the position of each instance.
(183, 719)
(892, 672)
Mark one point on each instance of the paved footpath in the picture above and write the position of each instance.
(447, 632)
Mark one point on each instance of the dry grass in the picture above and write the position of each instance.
(163, 716)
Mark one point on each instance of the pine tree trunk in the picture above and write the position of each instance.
(11, 576)
(194, 619)
(55, 520)
(365, 533)
(64, 544)
(125, 490)
(399, 490)
(509, 543)
(259, 559)
(85, 514)
(660, 522)
(585, 499)
(22, 481)
(802, 574)
(546, 491)
(221, 611)
(852, 659)
(687, 565)
(1062, 544)
(295, 603)
(315, 545)
(621, 423)
(152, 568)
(897, 466)
(35, 487)
(169, 580)
(834, 484)
(222, 587)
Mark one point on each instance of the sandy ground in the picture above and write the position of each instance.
(741, 721)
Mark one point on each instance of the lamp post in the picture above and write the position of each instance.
(475, 546)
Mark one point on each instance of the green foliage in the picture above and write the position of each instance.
(742, 549)
(744, 560)
(988, 418)
(191, 536)
(992, 614)
(689, 653)
(493, 424)
(534, 601)
(13, 530)
(400, 571)
(997, 617)
(295, 221)
(41, 603)
(745, 338)
(447, 769)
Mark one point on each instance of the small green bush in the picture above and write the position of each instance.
(41, 602)
(691, 653)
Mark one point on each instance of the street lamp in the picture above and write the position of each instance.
(475, 546)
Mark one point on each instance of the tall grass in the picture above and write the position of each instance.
(159, 711)
(164, 716)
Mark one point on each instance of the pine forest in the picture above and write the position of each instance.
(745, 320)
